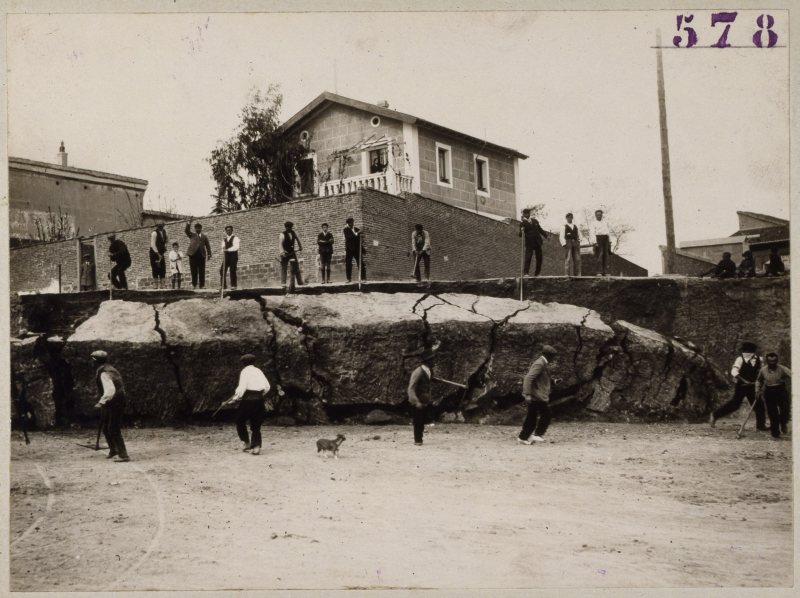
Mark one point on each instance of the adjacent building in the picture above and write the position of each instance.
(757, 233)
(354, 144)
(50, 200)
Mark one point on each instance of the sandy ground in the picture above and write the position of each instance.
(599, 505)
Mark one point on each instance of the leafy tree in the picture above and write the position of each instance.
(257, 165)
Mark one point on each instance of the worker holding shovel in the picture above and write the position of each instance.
(250, 395)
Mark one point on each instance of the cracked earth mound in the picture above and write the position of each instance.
(343, 356)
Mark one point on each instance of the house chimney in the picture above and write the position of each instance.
(383, 104)
(62, 155)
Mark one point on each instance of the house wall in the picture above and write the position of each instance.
(463, 194)
(748, 222)
(35, 268)
(714, 252)
(92, 207)
(339, 127)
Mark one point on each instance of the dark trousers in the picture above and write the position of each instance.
(349, 258)
(572, 257)
(112, 425)
(229, 263)
(420, 416)
(197, 265)
(537, 419)
(603, 251)
(530, 250)
(286, 261)
(777, 400)
(158, 265)
(118, 279)
(420, 259)
(739, 393)
(325, 266)
(251, 410)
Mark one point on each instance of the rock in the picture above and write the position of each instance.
(283, 420)
(378, 417)
(450, 417)
(204, 341)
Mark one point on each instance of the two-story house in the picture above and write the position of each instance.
(353, 144)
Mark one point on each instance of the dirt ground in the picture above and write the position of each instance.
(598, 505)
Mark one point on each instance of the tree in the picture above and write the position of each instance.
(538, 211)
(54, 227)
(619, 230)
(257, 165)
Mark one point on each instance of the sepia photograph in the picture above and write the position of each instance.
(424, 298)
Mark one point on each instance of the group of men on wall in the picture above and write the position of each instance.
(726, 268)
(533, 236)
(199, 253)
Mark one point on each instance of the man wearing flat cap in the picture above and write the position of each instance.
(112, 405)
(536, 391)
(419, 394)
(250, 394)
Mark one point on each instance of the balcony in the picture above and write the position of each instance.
(388, 182)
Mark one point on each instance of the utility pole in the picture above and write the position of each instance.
(669, 258)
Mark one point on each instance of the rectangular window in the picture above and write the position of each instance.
(481, 175)
(378, 160)
(444, 165)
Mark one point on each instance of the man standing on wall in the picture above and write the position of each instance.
(533, 235)
(421, 250)
(158, 249)
(325, 248)
(536, 391)
(230, 257)
(199, 251)
(118, 253)
(352, 240)
(112, 404)
(289, 245)
(571, 242)
(600, 237)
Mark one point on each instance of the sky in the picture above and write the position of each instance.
(150, 95)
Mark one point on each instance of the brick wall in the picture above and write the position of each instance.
(35, 268)
(502, 192)
(465, 245)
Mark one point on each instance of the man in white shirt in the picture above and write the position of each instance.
(112, 403)
(600, 237)
(251, 391)
(571, 242)
(744, 373)
(230, 257)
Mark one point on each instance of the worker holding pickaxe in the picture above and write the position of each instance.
(250, 394)
(112, 404)
(744, 373)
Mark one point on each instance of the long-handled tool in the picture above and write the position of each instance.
(416, 264)
(521, 263)
(223, 404)
(96, 446)
(744, 423)
(360, 257)
(450, 382)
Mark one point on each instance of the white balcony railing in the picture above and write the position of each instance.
(388, 182)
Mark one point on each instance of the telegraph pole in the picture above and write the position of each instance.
(669, 258)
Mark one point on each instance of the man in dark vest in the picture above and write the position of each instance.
(325, 247)
(419, 394)
(744, 372)
(199, 251)
(533, 235)
(571, 242)
(536, 391)
(421, 250)
(230, 257)
(112, 405)
(289, 245)
(352, 240)
(118, 253)
(158, 249)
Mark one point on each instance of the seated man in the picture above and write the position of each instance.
(747, 267)
(724, 269)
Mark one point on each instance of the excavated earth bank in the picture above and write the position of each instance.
(341, 357)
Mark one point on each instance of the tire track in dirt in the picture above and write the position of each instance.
(51, 499)
(156, 538)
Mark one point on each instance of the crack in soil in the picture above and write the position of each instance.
(170, 357)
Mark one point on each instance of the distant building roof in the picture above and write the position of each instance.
(765, 217)
(326, 97)
(167, 215)
(772, 234)
(81, 174)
